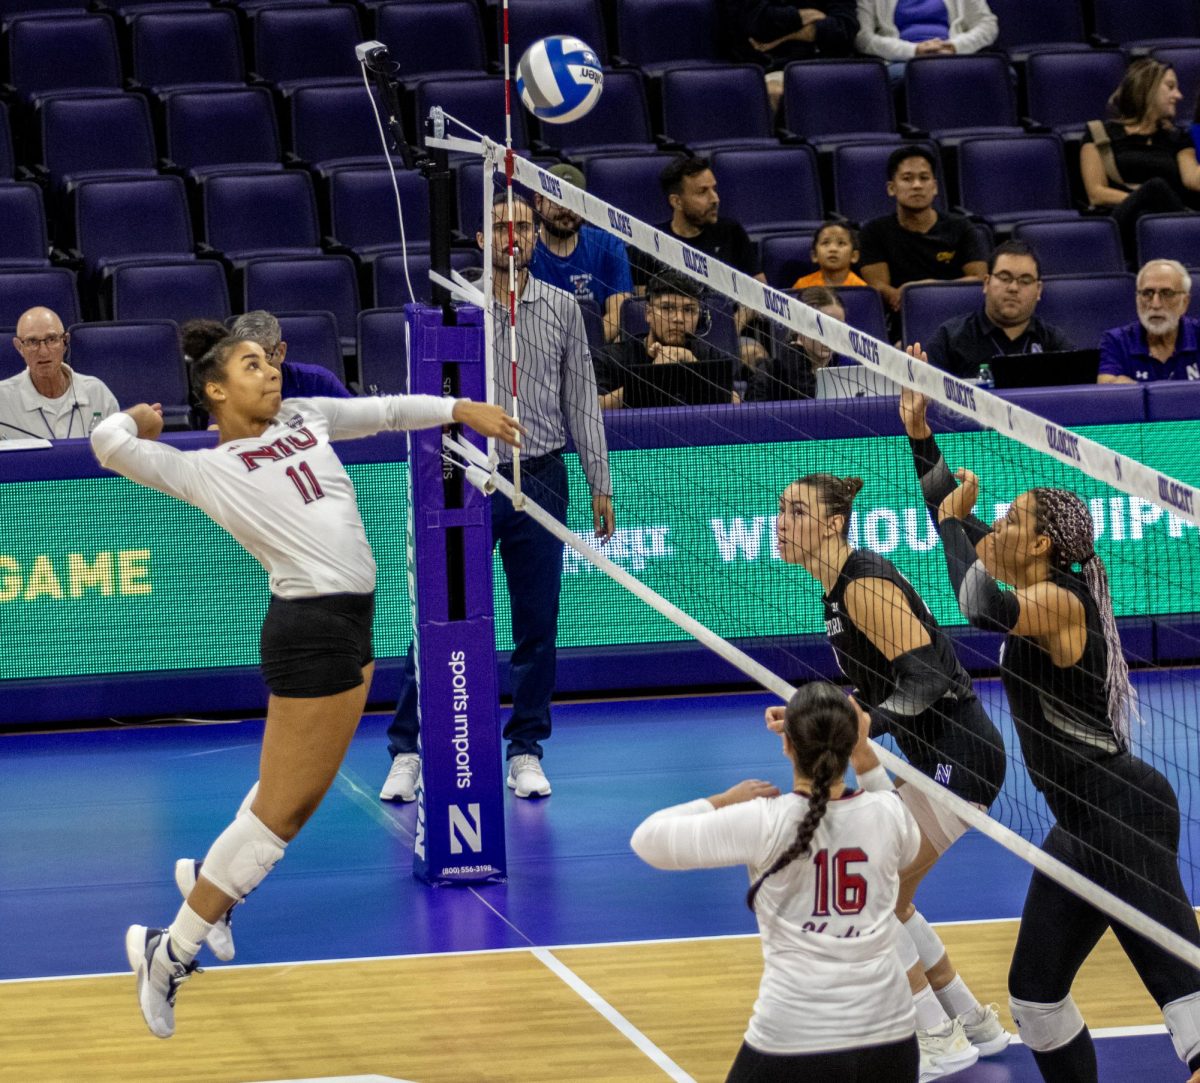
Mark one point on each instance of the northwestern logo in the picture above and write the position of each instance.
(419, 840)
(959, 393)
(866, 348)
(1065, 443)
(550, 184)
(942, 774)
(776, 303)
(620, 222)
(695, 262)
(1178, 496)
(464, 831)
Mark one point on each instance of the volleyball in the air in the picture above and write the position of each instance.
(559, 79)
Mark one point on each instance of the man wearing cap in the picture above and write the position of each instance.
(585, 261)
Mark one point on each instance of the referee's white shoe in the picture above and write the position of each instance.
(984, 1030)
(526, 777)
(159, 976)
(944, 1051)
(401, 783)
(220, 936)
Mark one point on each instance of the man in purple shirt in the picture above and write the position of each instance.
(1163, 344)
(299, 381)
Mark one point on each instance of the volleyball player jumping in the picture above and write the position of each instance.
(1067, 682)
(904, 670)
(275, 483)
(833, 1005)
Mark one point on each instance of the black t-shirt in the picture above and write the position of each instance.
(940, 253)
(1143, 157)
(613, 365)
(724, 240)
(788, 376)
(962, 344)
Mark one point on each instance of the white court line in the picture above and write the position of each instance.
(612, 1015)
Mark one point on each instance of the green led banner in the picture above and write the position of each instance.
(103, 576)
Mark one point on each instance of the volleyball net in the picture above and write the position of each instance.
(705, 380)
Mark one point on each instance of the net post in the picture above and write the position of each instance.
(460, 802)
(436, 170)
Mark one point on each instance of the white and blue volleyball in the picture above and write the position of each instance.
(559, 79)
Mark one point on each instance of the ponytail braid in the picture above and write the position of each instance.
(829, 766)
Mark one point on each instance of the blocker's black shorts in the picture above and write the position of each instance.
(314, 647)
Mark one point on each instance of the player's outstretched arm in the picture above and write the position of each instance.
(127, 443)
(488, 420)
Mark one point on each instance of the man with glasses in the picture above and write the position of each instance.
(300, 381)
(49, 399)
(1005, 324)
(1163, 343)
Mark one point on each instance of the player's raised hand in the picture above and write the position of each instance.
(960, 503)
(914, 405)
(744, 791)
(774, 718)
(149, 420)
(489, 420)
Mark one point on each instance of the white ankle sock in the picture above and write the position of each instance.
(956, 998)
(187, 933)
(930, 1013)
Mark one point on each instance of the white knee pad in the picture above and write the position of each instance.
(242, 856)
(1182, 1017)
(930, 948)
(1044, 1027)
(248, 800)
(905, 948)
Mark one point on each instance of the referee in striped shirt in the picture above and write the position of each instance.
(557, 390)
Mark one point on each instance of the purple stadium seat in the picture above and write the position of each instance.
(619, 123)
(786, 257)
(1085, 306)
(51, 287)
(51, 54)
(1006, 180)
(258, 214)
(297, 45)
(71, 151)
(529, 20)
(655, 35)
(363, 210)
(391, 286)
(1186, 62)
(864, 310)
(306, 284)
(924, 308)
(1066, 90)
(382, 352)
(1028, 26)
(711, 107)
(838, 101)
(8, 160)
(631, 183)
(222, 130)
(170, 291)
(433, 39)
(1169, 236)
(23, 241)
(1141, 27)
(1074, 246)
(139, 361)
(770, 191)
(952, 97)
(174, 49)
(312, 339)
(117, 221)
(860, 181)
(333, 127)
(474, 100)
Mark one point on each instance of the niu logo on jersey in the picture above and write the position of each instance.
(942, 774)
(464, 831)
(283, 448)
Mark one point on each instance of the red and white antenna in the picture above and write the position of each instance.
(518, 500)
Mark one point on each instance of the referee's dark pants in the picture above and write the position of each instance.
(532, 559)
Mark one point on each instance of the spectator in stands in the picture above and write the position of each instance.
(898, 30)
(49, 400)
(299, 381)
(1005, 324)
(835, 252)
(917, 244)
(674, 308)
(792, 374)
(581, 259)
(1163, 344)
(1138, 162)
(773, 33)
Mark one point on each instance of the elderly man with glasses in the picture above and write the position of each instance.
(1162, 344)
(49, 400)
(1005, 323)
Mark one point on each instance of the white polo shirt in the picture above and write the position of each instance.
(24, 412)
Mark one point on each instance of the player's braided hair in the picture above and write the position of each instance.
(822, 729)
(1064, 518)
(837, 494)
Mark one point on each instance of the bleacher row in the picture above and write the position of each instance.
(166, 159)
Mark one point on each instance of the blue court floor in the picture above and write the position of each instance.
(91, 824)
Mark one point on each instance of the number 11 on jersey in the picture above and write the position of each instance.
(306, 482)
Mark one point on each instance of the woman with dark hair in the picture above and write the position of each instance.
(1116, 818)
(276, 484)
(904, 671)
(833, 1005)
(1138, 162)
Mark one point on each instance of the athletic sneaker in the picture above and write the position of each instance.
(159, 976)
(220, 936)
(526, 778)
(945, 1050)
(401, 784)
(983, 1029)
